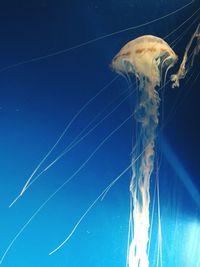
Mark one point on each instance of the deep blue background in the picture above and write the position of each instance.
(38, 99)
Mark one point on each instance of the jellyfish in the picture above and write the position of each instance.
(145, 58)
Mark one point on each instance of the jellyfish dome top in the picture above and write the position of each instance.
(145, 57)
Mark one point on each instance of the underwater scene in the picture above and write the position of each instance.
(100, 133)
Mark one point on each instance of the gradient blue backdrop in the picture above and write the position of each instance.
(38, 99)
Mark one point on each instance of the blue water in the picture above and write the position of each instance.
(39, 98)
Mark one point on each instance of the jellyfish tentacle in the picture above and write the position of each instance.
(28, 181)
(183, 69)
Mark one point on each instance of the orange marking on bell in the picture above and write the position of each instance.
(151, 49)
(139, 51)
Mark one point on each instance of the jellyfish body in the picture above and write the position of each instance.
(145, 57)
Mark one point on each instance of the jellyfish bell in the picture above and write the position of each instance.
(145, 57)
